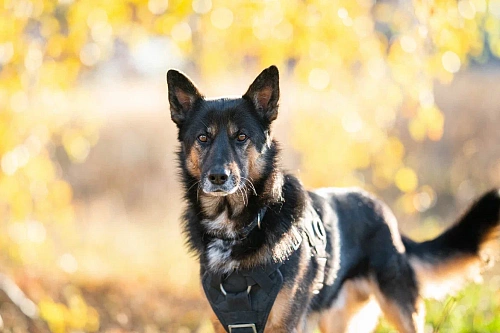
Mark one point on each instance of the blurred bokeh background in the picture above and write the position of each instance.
(401, 98)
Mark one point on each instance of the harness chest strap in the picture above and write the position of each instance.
(243, 300)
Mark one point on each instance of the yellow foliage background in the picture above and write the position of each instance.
(88, 192)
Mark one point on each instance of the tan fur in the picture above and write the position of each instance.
(232, 129)
(218, 328)
(237, 202)
(353, 298)
(210, 204)
(185, 99)
(274, 185)
(312, 322)
(438, 280)
(279, 252)
(490, 246)
(193, 162)
(212, 129)
(221, 224)
(280, 311)
(358, 306)
(255, 163)
(404, 322)
(263, 96)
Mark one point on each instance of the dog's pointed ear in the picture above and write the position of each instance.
(182, 94)
(264, 93)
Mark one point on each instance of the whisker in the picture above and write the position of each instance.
(249, 183)
(242, 195)
(246, 195)
(195, 183)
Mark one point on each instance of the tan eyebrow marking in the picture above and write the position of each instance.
(212, 129)
(232, 129)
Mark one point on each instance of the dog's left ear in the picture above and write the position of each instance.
(264, 93)
(182, 94)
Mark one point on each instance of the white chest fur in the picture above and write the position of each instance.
(219, 256)
(220, 225)
(218, 250)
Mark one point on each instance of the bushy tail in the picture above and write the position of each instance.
(461, 253)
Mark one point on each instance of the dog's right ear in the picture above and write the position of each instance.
(182, 94)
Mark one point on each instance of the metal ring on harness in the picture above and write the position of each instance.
(225, 293)
(319, 229)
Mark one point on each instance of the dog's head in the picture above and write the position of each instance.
(224, 140)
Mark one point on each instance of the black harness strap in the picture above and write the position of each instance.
(242, 300)
(316, 235)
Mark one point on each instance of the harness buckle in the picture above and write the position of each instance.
(252, 326)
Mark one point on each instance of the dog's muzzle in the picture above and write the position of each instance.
(219, 183)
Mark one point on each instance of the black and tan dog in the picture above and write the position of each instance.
(277, 258)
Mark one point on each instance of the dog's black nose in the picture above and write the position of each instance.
(219, 177)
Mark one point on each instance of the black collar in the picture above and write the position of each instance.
(255, 223)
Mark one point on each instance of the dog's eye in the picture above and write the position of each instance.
(202, 138)
(242, 137)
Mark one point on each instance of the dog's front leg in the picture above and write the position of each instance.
(218, 328)
(287, 314)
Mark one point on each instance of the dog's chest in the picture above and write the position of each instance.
(218, 251)
(220, 225)
(219, 256)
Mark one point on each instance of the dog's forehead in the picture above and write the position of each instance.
(225, 103)
(225, 112)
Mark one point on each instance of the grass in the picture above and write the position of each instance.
(475, 309)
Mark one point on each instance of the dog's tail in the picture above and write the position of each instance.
(460, 253)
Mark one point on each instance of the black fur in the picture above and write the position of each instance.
(363, 240)
(464, 237)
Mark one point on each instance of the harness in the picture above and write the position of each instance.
(242, 300)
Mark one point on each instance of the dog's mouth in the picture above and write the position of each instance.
(217, 193)
(219, 190)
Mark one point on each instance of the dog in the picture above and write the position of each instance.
(275, 257)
